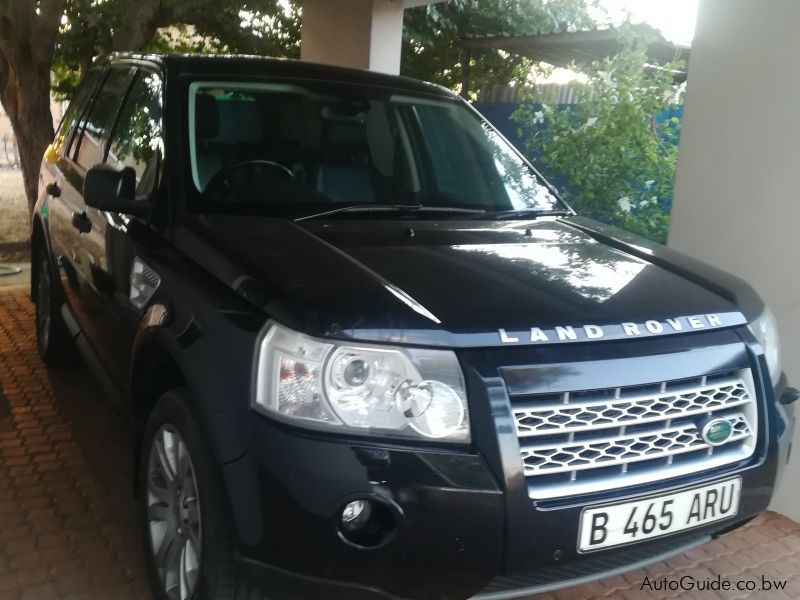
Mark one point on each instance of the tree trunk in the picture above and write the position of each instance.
(26, 99)
(28, 33)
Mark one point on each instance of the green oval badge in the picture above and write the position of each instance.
(717, 431)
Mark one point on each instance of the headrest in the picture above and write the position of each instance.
(206, 116)
(349, 184)
(346, 137)
(239, 122)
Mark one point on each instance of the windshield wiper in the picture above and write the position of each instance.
(400, 208)
(527, 213)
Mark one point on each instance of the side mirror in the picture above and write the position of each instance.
(106, 188)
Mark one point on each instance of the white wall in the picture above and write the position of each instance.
(363, 34)
(737, 191)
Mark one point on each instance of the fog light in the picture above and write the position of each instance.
(356, 514)
(367, 523)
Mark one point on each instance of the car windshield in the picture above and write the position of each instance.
(303, 149)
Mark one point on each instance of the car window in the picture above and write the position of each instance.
(96, 125)
(136, 141)
(474, 163)
(281, 148)
(77, 107)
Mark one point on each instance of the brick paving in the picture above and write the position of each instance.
(67, 518)
(66, 510)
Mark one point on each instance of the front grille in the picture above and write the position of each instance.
(576, 442)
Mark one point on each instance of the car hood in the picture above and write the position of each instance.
(459, 282)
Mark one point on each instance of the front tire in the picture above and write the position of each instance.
(188, 532)
(53, 340)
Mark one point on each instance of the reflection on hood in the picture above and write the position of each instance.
(598, 276)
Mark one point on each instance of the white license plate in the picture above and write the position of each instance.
(618, 524)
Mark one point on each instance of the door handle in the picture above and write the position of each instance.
(81, 222)
(52, 189)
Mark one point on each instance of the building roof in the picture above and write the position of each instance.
(564, 49)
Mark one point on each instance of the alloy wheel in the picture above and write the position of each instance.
(173, 514)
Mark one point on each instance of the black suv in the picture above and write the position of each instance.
(369, 352)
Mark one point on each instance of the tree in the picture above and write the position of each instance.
(432, 36)
(28, 32)
(53, 42)
(40, 37)
(617, 146)
(265, 27)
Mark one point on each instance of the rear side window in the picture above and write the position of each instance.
(97, 124)
(77, 107)
(136, 141)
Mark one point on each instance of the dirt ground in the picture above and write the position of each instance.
(13, 207)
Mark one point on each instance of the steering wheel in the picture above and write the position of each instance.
(223, 182)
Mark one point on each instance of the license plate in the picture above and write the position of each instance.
(630, 522)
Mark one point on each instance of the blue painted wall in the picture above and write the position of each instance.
(499, 114)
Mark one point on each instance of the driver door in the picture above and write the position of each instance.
(109, 249)
(87, 149)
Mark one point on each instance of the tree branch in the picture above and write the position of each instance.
(15, 29)
(3, 77)
(45, 30)
(7, 42)
(22, 14)
(182, 12)
(139, 25)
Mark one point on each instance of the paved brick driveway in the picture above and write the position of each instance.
(66, 510)
(67, 517)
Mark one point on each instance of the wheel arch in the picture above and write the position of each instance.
(154, 372)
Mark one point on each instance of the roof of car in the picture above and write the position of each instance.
(227, 64)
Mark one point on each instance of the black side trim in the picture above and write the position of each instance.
(520, 585)
(118, 398)
(70, 322)
(286, 584)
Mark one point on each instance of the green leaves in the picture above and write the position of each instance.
(431, 46)
(91, 28)
(432, 35)
(613, 146)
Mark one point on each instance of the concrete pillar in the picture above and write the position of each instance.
(736, 192)
(363, 34)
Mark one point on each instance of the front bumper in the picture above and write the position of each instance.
(451, 541)
(450, 516)
(466, 525)
(285, 584)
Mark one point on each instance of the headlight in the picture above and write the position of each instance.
(765, 330)
(360, 388)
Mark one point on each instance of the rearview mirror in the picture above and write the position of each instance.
(109, 189)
